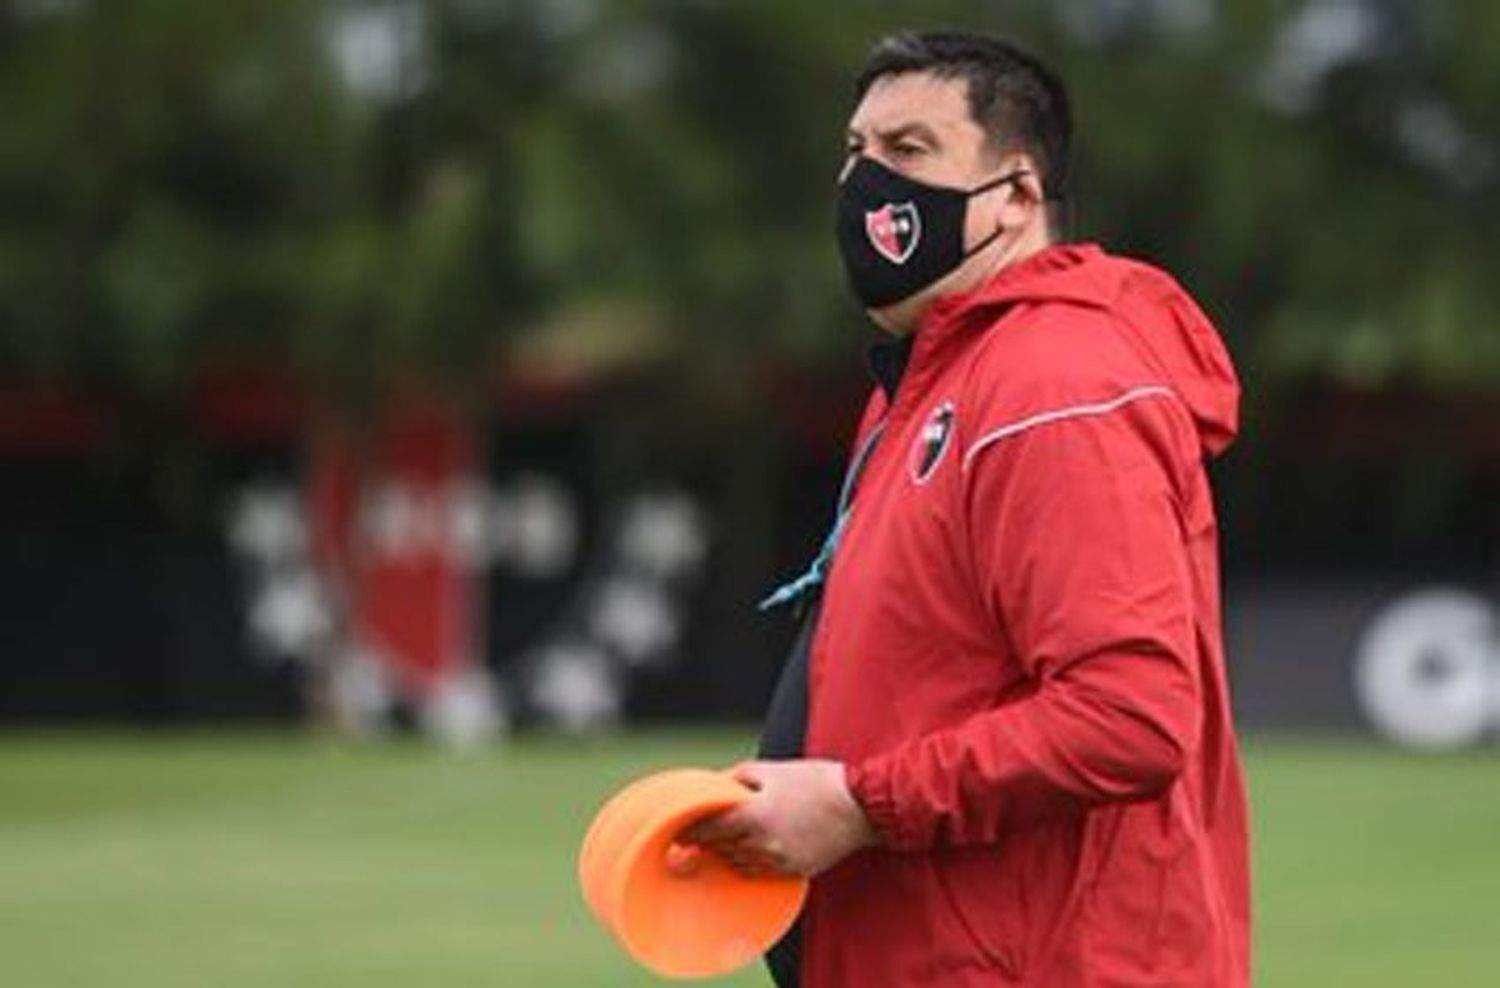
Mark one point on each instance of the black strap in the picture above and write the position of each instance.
(785, 736)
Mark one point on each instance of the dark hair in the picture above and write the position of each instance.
(1019, 102)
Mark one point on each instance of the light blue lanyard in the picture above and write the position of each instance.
(817, 571)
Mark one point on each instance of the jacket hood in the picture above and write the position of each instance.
(1166, 326)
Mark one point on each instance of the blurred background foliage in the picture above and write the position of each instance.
(394, 191)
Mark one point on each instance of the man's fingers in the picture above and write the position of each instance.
(746, 859)
(751, 774)
(744, 836)
(751, 859)
(722, 828)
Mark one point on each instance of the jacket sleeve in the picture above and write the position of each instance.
(1079, 552)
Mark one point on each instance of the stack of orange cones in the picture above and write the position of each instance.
(677, 909)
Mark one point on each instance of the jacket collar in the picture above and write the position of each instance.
(1007, 286)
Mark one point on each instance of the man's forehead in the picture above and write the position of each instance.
(897, 101)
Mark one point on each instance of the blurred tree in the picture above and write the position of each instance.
(401, 186)
(386, 191)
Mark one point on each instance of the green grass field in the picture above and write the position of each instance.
(209, 860)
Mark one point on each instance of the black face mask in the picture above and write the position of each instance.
(898, 235)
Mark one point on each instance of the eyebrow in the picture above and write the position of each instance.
(920, 131)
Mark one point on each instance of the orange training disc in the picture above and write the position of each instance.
(679, 911)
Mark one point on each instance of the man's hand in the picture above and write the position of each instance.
(800, 820)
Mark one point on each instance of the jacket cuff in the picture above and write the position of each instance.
(870, 784)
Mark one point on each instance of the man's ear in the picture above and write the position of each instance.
(1028, 183)
(1022, 198)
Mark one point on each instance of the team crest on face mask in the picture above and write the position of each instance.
(894, 230)
(932, 442)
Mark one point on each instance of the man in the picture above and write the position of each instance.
(1019, 762)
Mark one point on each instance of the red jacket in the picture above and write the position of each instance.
(1020, 658)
